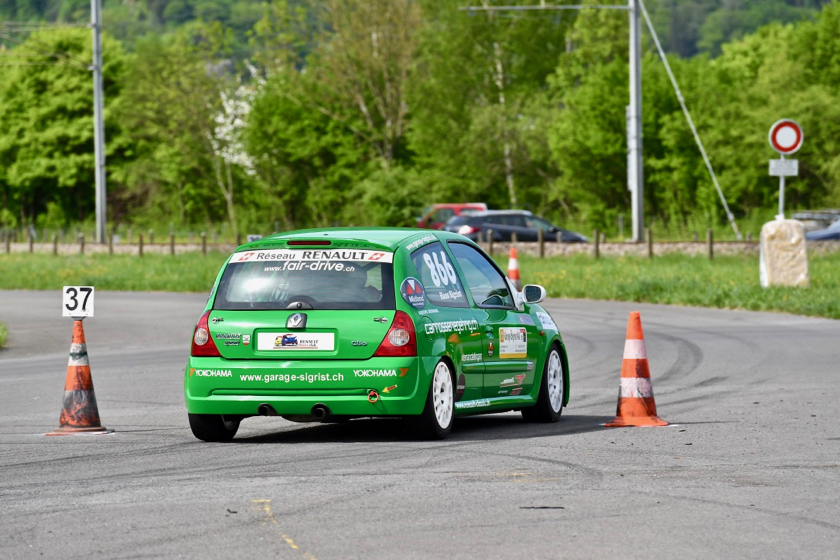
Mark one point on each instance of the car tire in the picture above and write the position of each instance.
(213, 427)
(549, 405)
(436, 420)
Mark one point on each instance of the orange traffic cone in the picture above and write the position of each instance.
(636, 406)
(80, 415)
(513, 269)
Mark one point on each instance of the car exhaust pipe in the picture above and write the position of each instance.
(320, 412)
(266, 409)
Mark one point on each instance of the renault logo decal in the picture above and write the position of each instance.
(296, 321)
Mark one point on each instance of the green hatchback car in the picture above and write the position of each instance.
(334, 324)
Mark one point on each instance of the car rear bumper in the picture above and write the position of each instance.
(239, 387)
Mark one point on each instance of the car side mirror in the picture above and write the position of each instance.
(533, 293)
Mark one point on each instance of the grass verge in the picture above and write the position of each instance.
(187, 272)
(4, 332)
(730, 282)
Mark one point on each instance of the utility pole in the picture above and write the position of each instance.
(98, 121)
(635, 171)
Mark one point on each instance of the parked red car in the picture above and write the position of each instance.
(435, 216)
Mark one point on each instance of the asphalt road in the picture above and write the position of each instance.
(750, 467)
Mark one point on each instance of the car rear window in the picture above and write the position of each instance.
(322, 279)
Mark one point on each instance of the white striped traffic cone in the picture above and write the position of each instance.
(513, 269)
(636, 406)
(80, 415)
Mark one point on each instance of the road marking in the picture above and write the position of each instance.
(266, 508)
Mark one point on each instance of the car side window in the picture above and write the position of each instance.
(438, 276)
(536, 223)
(486, 284)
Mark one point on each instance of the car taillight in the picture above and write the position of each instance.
(202, 344)
(466, 230)
(401, 339)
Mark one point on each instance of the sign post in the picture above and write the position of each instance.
(786, 138)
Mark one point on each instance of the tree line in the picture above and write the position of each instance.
(362, 112)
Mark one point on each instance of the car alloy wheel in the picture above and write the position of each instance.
(554, 379)
(549, 405)
(442, 395)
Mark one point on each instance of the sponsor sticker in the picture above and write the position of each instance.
(526, 320)
(210, 372)
(295, 341)
(316, 255)
(478, 403)
(476, 357)
(513, 343)
(428, 311)
(375, 372)
(412, 292)
(291, 377)
(453, 295)
(420, 242)
(516, 391)
(510, 381)
(546, 321)
(246, 339)
(445, 327)
(227, 336)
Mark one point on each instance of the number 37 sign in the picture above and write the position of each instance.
(78, 301)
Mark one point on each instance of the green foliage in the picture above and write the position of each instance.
(734, 99)
(46, 115)
(587, 138)
(175, 107)
(379, 193)
(4, 333)
(361, 112)
(306, 162)
(323, 121)
(477, 93)
(690, 27)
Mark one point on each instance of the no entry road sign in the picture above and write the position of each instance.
(785, 136)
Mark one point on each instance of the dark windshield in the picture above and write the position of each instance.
(319, 279)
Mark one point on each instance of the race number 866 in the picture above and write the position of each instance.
(440, 269)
